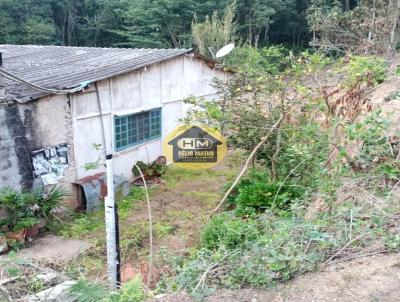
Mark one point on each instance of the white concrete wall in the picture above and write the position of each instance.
(163, 85)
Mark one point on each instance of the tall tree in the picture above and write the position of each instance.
(256, 17)
(23, 22)
(215, 32)
(143, 23)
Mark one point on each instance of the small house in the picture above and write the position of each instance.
(123, 101)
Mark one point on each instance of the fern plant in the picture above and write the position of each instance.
(85, 291)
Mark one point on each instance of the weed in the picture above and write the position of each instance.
(131, 291)
(163, 228)
(84, 291)
(206, 197)
(11, 265)
(134, 235)
(227, 230)
(36, 285)
(392, 242)
(256, 193)
(359, 66)
(128, 203)
(257, 252)
(180, 214)
(83, 224)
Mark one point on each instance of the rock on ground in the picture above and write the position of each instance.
(54, 249)
(58, 293)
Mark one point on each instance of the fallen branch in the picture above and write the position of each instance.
(356, 256)
(5, 281)
(344, 247)
(203, 277)
(246, 165)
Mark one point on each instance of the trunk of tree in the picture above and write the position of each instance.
(372, 27)
(250, 35)
(256, 40)
(347, 5)
(274, 159)
(266, 31)
(298, 38)
(393, 40)
(294, 37)
(173, 38)
(95, 30)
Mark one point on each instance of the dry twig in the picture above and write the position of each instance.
(150, 224)
(246, 165)
(344, 247)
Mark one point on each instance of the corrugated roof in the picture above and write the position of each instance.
(63, 67)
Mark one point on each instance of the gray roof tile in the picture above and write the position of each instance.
(63, 67)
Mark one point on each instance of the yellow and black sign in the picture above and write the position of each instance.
(194, 147)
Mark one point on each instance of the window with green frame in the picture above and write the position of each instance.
(134, 129)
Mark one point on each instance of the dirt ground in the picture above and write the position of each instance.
(180, 207)
(370, 279)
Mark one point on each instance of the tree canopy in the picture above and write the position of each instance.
(330, 24)
(145, 23)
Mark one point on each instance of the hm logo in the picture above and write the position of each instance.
(194, 143)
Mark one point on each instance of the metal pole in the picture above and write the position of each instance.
(111, 229)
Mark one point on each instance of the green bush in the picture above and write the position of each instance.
(153, 169)
(255, 194)
(229, 231)
(270, 60)
(374, 144)
(259, 252)
(131, 291)
(358, 67)
(18, 210)
(22, 209)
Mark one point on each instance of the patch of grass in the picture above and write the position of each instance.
(175, 175)
(205, 197)
(88, 265)
(91, 262)
(134, 235)
(163, 228)
(137, 193)
(83, 224)
(125, 206)
(179, 214)
(36, 285)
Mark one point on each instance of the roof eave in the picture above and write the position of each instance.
(41, 94)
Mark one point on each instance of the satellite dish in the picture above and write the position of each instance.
(225, 50)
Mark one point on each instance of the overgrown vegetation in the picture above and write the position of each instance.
(334, 26)
(134, 235)
(320, 189)
(131, 291)
(24, 212)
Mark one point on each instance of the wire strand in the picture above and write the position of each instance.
(17, 79)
